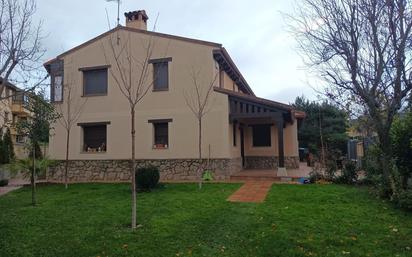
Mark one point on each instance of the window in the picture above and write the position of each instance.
(20, 139)
(58, 88)
(161, 135)
(94, 137)
(161, 74)
(261, 135)
(94, 82)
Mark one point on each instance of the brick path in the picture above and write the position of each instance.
(252, 192)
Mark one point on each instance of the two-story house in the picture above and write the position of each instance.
(240, 130)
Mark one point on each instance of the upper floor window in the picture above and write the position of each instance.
(160, 74)
(95, 81)
(58, 88)
(261, 135)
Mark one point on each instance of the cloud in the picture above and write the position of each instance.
(254, 34)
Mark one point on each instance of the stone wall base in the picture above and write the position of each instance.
(270, 162)
(119, 170)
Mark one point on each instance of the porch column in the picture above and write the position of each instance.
(281, 150)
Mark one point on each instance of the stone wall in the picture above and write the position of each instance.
(118, 170)
(270, 162)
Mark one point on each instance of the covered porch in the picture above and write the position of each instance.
(267, 133)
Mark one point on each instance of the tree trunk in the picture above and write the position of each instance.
(200, 154)
(33, 179)
(66, 165)
(132, 169)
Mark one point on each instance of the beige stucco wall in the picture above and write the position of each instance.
(155, 105)
(289, 139)
(5, 107)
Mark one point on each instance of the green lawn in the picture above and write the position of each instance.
(178, 220)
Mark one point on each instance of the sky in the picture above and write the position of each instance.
(254, 33)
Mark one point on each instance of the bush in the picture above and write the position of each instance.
(405, 199)
(331, 168)
(349, 174)
(147, 178)
(401, 138)
(316, 174)
(207, 175)
(4, 182)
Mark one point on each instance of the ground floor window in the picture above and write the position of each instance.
(161, 134)
(94, 137)
(261, 135)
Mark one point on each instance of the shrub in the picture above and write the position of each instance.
(405, 199)
(4, 182)
(207, 175)
(316, 174)
(147, 178)
(331, 168)
(349, 174)
(401, 138)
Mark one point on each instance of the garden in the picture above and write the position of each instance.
(180, 220)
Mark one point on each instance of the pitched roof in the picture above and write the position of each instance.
(8, 84)
(120, 27)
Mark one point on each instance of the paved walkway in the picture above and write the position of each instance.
(14, 184)
(252, 192)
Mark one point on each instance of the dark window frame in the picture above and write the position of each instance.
(161, 135)
(156, 63)
(258, 137)
(156, 143)
(86, 145)
(85, 70)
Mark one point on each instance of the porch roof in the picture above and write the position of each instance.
(249, 106)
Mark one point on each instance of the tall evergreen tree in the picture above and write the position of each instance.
(325, 124)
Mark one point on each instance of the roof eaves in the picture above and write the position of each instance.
(228, 60)
(255, 98)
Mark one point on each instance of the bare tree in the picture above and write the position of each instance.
(20, 45)
(362, 49)
(134, 77)
(197, 99)
(70, 111)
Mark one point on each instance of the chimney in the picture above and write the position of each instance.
(136, 19)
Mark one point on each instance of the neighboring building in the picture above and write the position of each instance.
(239, 131)
(12, 109)
(361, 136)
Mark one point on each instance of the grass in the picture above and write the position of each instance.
(179, 220)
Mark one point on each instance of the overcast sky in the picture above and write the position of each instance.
(253, 32)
